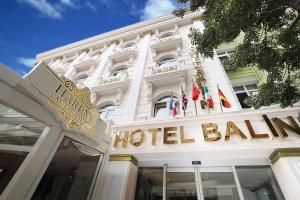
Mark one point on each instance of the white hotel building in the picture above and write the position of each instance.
(143, 152)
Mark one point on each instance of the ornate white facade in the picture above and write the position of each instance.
(131, 72)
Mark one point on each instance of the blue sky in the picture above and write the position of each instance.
(29, 27)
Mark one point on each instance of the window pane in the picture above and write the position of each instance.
(238, 88)
(181, 186)
(251, 87)
(219, 185)
(70, 173)
(241, 97)
(259, 183)
(18, 134)
(149, 185)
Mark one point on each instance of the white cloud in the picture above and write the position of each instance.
(91, 6)
(28, 62)
(155, 8)
(44, 7)
(68, 3)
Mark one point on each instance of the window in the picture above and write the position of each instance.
(223, 56)
(162, 107)
(71, 172)
(167, 61)
(107, 111)
(259, 183)
(243, 91)
(18, 134)
(119, 70)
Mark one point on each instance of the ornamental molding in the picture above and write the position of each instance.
(117, 34)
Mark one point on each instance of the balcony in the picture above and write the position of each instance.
(122, 54)
(173, 73)
(85, 64)
(174, 41)
(113, 85)
(161, 75)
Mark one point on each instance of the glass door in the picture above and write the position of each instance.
(218, 183)
(181, 184)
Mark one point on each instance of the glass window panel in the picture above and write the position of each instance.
(70, 174)
(18, 134)
(259, 183)
(181, 186)
(238, 88)
(251, 87)
(149, 185)
(219, 185)
(241, 97)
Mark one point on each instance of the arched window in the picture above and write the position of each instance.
(130, 44)
(107, 111)
(165, 35)
(122, 69)
(162, 107)
(167, 61)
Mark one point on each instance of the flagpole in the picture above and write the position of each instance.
(182, 101)
(219, 98)
(196, 107)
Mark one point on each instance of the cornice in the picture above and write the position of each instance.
(117, 34)
(284, 152)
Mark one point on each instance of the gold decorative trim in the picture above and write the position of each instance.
(283, 152)
(83, 119)
(123, 157)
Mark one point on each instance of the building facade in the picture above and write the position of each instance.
(137, 76)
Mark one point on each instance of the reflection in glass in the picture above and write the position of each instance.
(18, 133)
(259, 183)
(181, 186)
(70, 174)
(219, 185)
(149, 184)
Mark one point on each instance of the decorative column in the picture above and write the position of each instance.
(137, 78)
(121, 176)
(286, 167)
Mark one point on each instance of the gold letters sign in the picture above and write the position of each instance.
(210, 132)
(72, 105)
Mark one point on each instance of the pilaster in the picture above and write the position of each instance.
(137, 78)
(286, 167)
(120, 177)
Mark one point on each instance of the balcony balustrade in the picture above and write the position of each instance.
(111, 85)
(121, 54)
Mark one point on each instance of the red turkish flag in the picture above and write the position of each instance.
(195, 92)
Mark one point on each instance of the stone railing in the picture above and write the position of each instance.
(121, 77)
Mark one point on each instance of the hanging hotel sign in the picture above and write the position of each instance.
(73, 105)
(173, 135)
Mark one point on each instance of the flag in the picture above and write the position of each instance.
(172, 106)
(174, 112)
(208, 97)
(195, 92)
(184, 100)
(223, 99)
